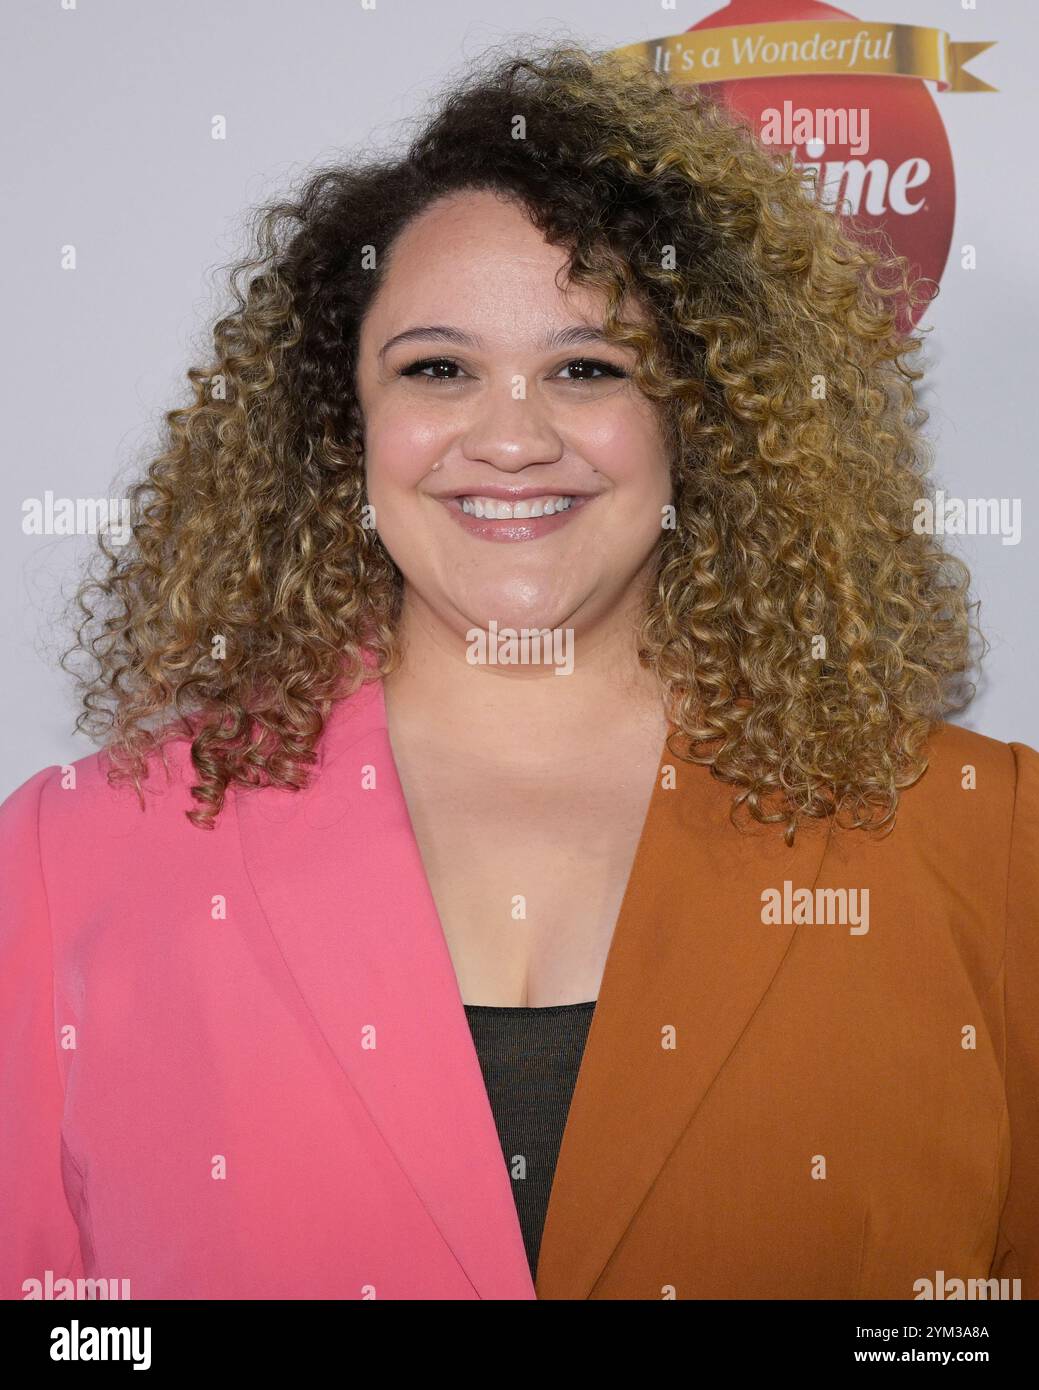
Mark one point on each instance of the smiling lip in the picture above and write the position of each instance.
(512, 528)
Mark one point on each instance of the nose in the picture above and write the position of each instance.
(510, 431)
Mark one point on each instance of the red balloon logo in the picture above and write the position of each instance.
(903, 184)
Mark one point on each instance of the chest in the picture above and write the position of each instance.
(527, 869)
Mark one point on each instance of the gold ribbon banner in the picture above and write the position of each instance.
(794, 47)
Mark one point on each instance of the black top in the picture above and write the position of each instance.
(530, 1058)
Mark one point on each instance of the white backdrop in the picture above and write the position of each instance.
(107, 111)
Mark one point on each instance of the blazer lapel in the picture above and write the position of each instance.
(689, 953)
(337, 870)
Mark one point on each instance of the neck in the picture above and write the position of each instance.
(511, 710)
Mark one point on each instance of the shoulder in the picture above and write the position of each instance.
(969, 778)
(952, 747)
(75, 805)
(972, 818)
(79, 807)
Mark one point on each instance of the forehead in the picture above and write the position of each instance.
(475, 225)
(476, 260)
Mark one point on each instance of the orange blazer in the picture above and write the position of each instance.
(775, 1104)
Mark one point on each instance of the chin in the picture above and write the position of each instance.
(514, 600)
(506, 612)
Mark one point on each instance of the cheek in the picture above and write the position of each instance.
(400, 447)
(630, 453)
(625, 444)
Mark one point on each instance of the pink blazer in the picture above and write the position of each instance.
(210, 1084)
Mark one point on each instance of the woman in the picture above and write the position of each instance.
(558, 682)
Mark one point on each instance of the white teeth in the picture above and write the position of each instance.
(496, 509)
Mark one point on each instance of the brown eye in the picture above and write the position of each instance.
(586, 366)
(420, 368)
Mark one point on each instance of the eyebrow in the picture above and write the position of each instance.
(563, 337)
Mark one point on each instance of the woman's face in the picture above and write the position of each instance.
(488, 401)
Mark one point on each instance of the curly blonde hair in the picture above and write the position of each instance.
(806, 637)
